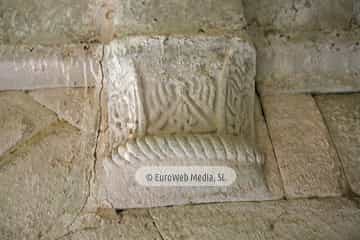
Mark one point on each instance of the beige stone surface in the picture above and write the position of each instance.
(63, 21)
(179, 102)
(296, 219)
(302, 15)
(356, 12)
(172, 16)
(47, 21)
(78, 106)
(342, 116)
(180, 85)
(308, 62)
(44, 183)
(40, 66)
(20, 119)
(271, 169)
(307, 159)
(107, 225)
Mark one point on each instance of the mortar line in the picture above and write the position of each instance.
(272, 145)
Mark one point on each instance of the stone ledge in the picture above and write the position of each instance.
(303, 15)
(47, 21)
(173, 16)
(38, 66)
(308, 62)
(65, 22)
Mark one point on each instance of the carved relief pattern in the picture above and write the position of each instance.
(201, 115)
(238, 100)
(197, 146)
(125, 103)
(182, 106)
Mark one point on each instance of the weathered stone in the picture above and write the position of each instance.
(357, 201)
(302, 15)
(63, 22)
(308, 162)
(20, 119)
(271, 169)
(31, 67)
(180, 102)
(356, 13)
(134, 224)
(161, 85)
(173, 16)
(47, 21)
(78, 106)
(342, 116)
(311, 62)
(296, 219)
(44, 183)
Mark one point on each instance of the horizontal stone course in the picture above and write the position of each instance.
(38, 66)
(47, 21)
(308, 62)
(173, 16)
(302, 15)
(297, 219)
(63, 22)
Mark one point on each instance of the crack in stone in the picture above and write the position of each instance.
(99, 111)
(69, 233)
(92, 174)
(155, 225)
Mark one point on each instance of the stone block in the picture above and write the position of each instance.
(302, 15)
(32, 67)
(173, 16)
(44, 183)
(342, 116)
(77, 106)
(108, 224)
(308, 62)
(20, 119)
(296, 219)
(47, 21)
(180, 102)
(307, 159)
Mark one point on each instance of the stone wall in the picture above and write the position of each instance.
(94, 89)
